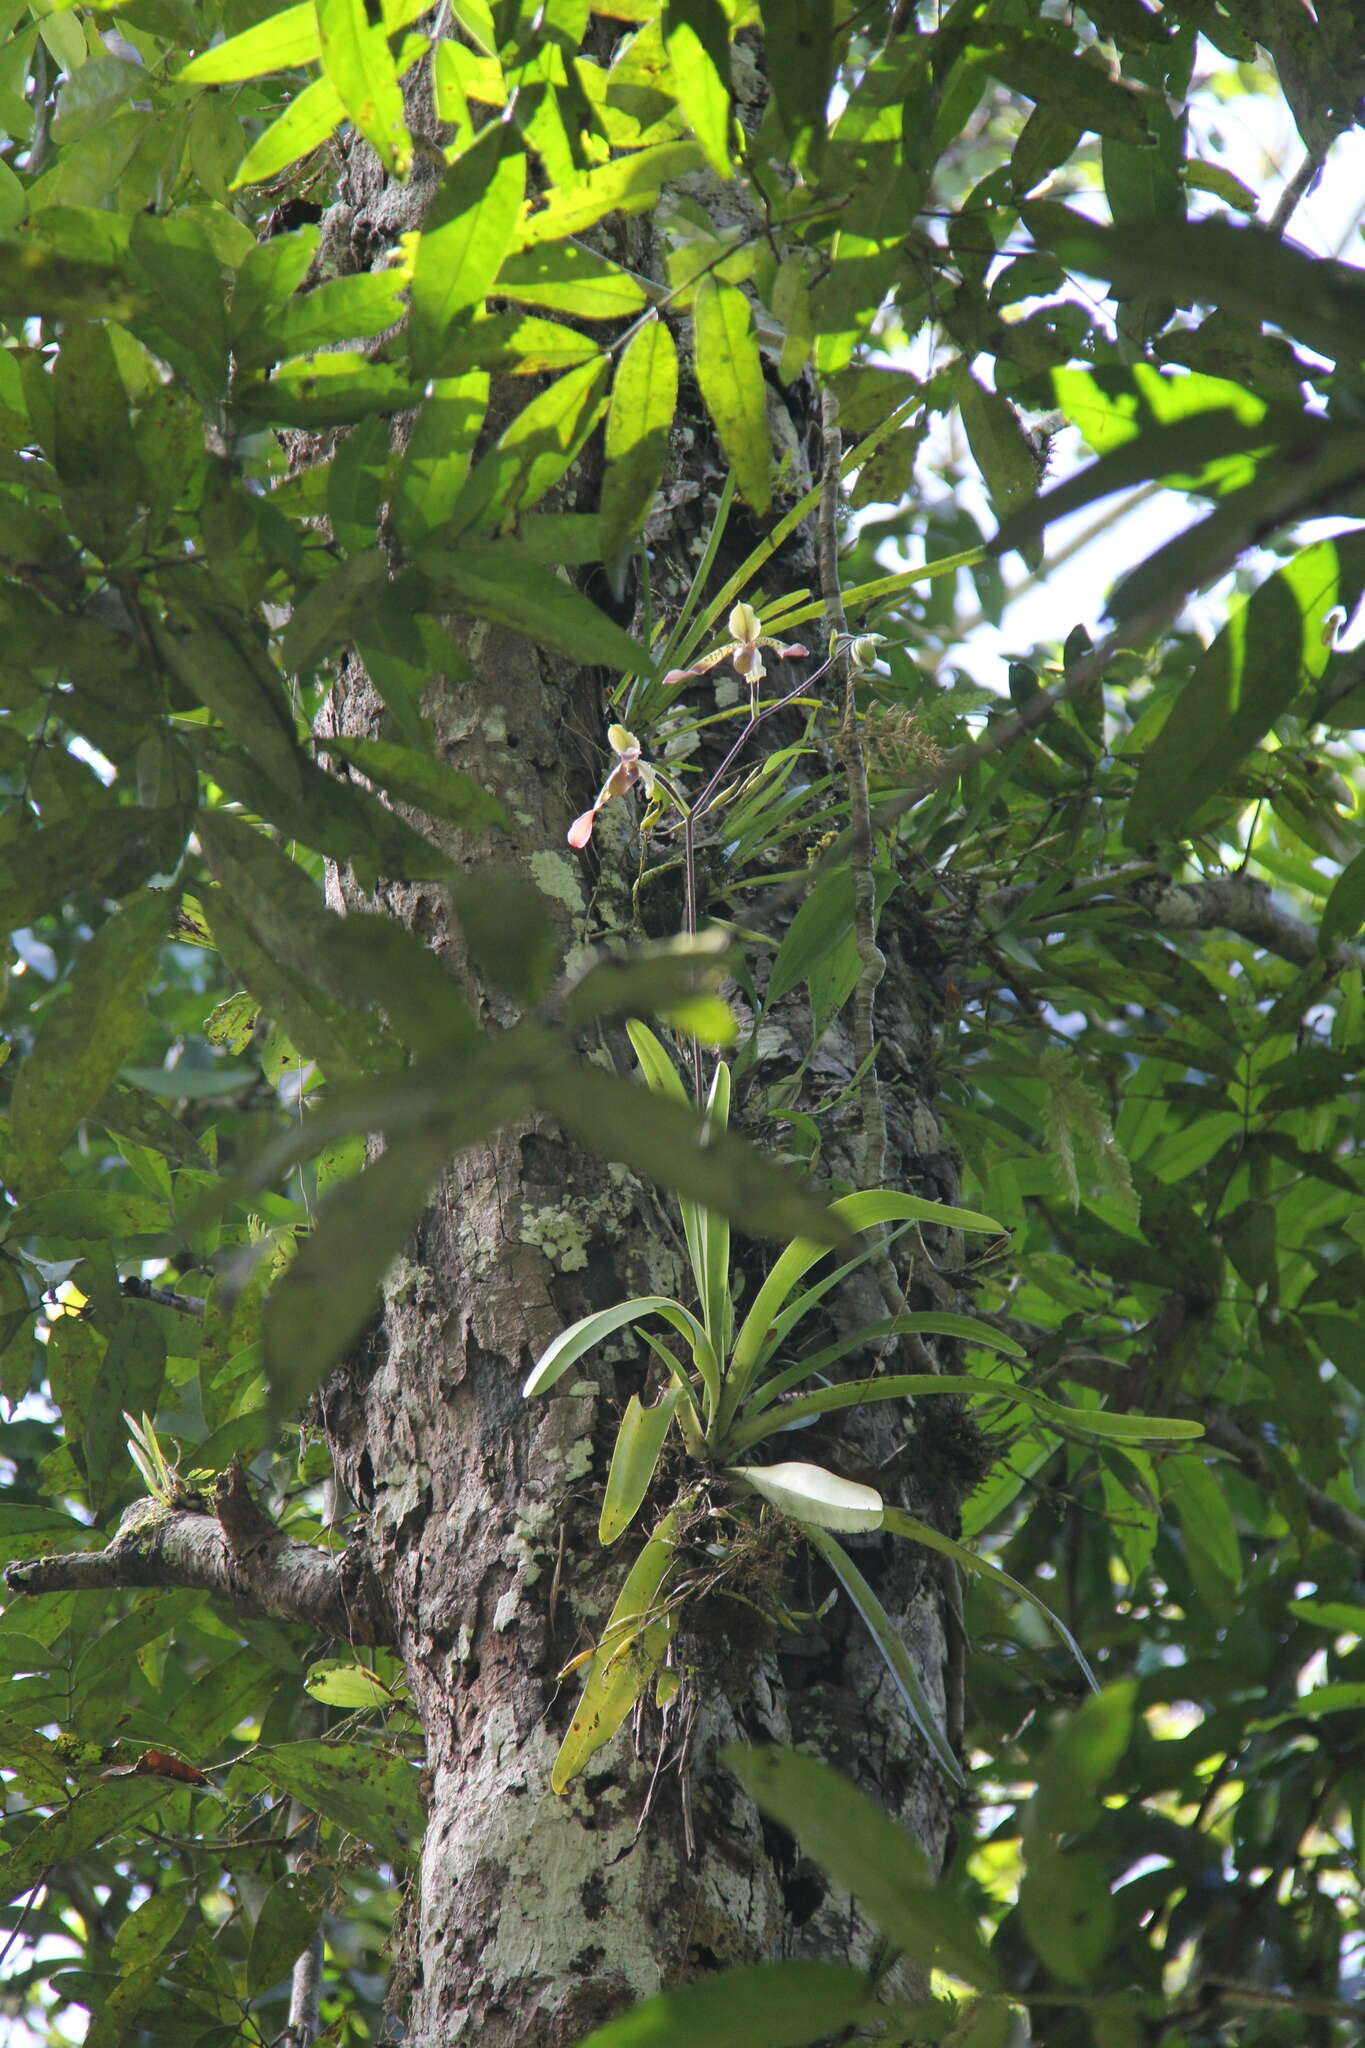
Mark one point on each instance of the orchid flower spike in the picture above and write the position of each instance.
(629, 770)
(748, 638)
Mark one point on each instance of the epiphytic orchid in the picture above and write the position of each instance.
(744, 650)
(629, 770)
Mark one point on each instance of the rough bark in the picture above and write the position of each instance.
(535, 1917)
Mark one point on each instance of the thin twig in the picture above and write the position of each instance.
(1302, 182)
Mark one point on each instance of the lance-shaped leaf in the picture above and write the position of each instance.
(643, 399)
(630, 1651)
(861, 1211)
(801, 52)
(241, 690)
(1084, 1425)
(356, 57)
(580, 1337)
(307, 121)
(639, 1442)
(1248, 677)
(280, 43)
(464, 240)
(901, 1524)
(660, 1138)
(626, 185)
(565, 277)
(697, 38)
(866, 1854)
(325, 1298)
(731, 379)
(766, 2005)
(535, 450)
(925, 1322)
(894, 1654)
(421, 779)
(85, 1036)
(809, 1494)
(500, 580)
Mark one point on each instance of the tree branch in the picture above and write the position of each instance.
(1235, 903)
(236, 1554)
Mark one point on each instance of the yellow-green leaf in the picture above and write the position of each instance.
(731, 379)
(643, 399)
(639, 1441)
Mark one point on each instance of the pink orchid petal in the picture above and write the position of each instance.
(580, 832)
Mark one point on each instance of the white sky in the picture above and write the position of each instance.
(1261, 146)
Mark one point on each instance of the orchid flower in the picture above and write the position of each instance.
(629, 770)
(743, 649)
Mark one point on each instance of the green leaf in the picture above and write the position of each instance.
(280, 43)
(801, 54)
(1056, 76)
(340, 1682)
(655, 977)
(1271, 646)
(697, 39)
(94, 1813)
(436, 459)
(93, 449)
(356, 58)
(88, 1032)
(766, 2005)
(631, 1649)
(420, 779)
(499, 580)
(1084, 1425)
(328, 390)
(232, 676)
(639, 1441)
(810, 1495)
(861, 1211)
(894, 1654)
(465, 237)
(1344, 912)
(567, 278)
(731, 379)
(309, 118)
(659, 1138)
(628, 184)
(344, 309)
(1000, 447)
(1068, 1911)
(901, 1524)
(580, 1337)
(643, 398)
(188, 321)
(286, 1921)
(534, 451)
(865, 1853)
(1241, 269)
(354, 1785)
(128, 1382)
(1080, 1760)
(330, 1290)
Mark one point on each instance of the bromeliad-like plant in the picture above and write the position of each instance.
(730, 1392)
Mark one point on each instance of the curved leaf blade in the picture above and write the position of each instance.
(581, 1336)
(639, 1442)
(901, 1524)
(812, 1496)
(896, 1657)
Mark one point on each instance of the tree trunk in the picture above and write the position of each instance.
(536, 1917)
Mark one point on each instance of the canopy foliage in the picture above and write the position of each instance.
(982, 228)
